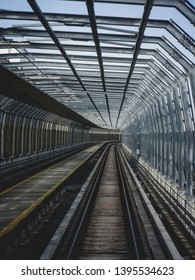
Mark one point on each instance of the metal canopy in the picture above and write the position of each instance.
(106, 68)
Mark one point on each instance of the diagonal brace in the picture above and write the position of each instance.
(50, 31)
(143, 23)
(91, 12)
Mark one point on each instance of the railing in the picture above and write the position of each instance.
(23, 160)
(178, 200)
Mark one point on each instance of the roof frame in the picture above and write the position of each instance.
(111, 60)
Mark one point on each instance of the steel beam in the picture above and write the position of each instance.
(185, 7)
(91, 99)
(48, 28)
(147, 10)
(92, 18)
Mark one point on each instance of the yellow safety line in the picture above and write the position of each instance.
(34, 176)
(38, 201)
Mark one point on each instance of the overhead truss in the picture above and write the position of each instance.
(106, 68)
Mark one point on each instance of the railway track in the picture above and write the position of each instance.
(110, 220)
(27, 207)
(100, 212)
(183, 240)
(105, 236)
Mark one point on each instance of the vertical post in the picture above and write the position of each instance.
(180, 148)
(189, 133)
(4, 115)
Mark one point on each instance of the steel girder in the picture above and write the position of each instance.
(183, 6)
(78, 69)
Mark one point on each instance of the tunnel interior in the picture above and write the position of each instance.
(76, 72)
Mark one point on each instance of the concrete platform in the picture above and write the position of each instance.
(22, 197)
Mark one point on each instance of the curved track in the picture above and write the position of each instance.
(24, 205)
(105, 236)
(114, 221)
(109, 215)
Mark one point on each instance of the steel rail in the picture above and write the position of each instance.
(90, 201)
(164, 235)
(91, 198)
(124, 195)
